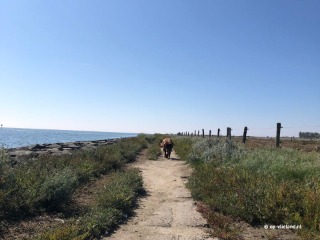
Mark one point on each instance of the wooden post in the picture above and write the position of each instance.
(202, 132)
(218, 132)
(229, 132)
(188, 134)
(278, 134)
(198, 133)
(195, 132)
(209, 133)
(245, 135)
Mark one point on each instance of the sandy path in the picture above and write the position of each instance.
(168, 211)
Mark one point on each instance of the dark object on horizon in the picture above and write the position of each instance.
(218, 132)
(309, 135)
(278, 134)
(245, 134)
(229, 132)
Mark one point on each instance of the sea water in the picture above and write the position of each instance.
(18, 137)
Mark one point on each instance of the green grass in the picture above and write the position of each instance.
(154, 150)
(273, 186)
(48, 183)
(113, 205)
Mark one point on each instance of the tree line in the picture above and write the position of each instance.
(309, 135)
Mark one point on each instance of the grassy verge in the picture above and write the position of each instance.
(262, 186)
(48, 183)
(113, 205)
(154, 146)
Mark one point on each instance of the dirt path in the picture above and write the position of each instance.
(168, 211)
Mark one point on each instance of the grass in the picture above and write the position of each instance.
(154, 146)
(48, 183)
(113, 205)
(261, 186)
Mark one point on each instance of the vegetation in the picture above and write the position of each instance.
(113, 205)
(261, 186)
(154, 146)
(309, 135)
(48, 183)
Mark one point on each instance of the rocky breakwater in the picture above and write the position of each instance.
(55, 149)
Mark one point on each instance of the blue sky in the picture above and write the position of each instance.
(161, 65)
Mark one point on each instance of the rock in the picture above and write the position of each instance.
(37, 147)
(54, 146)
(70, 146)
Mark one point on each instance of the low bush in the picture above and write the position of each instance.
(113, 205)
(57, 189)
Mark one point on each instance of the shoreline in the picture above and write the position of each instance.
(18, 154)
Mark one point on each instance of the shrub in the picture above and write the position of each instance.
(113, 204)
(57, 189)
(216, 151)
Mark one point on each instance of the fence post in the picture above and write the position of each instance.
(195, 132)
(198, 133)
(209, 133)
(202, 132)
(218, 132)
(278, 134)
(229, 132)
(188, 134)
(245, 135)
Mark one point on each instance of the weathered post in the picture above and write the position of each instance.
(195, 132)
(218, 132)
(229, 132)
(188, 134)
(209, 133)
(202, 132)
(198, 133)
(278, 134)
(245, 135)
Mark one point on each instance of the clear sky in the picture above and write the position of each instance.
(161, 65)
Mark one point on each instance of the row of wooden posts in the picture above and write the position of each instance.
(244, 136)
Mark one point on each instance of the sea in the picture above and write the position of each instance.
(20, 137)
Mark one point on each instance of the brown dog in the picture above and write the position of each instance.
(167, 145)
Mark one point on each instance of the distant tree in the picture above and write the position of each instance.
(309, 135)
